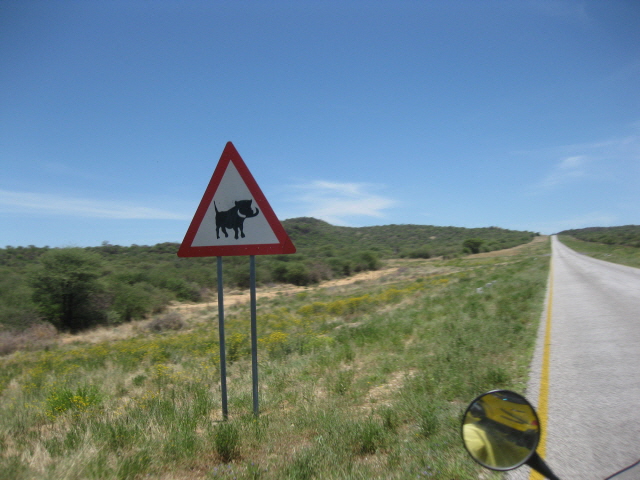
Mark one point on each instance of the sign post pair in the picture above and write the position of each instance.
(235, 219)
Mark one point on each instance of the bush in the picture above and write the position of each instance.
(132, 301)
(422, 252)
(341, 267)
(298, 274)
(184, 290)
(366, 261)
(17, 310)
(35, 336)
(472, 245)
(168, 321)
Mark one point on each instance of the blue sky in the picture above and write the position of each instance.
(517, 114)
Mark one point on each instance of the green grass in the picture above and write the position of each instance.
(624, 255)
(361, 381)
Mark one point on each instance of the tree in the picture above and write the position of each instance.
(366, 261)
(472, 245)
(17, 310)
(67, 290)
(135, 301)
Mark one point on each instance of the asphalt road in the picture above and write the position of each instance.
(593, 421)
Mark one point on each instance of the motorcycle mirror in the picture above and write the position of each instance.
(501, 430)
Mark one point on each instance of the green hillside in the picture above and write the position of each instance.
(628, 235)
(392, 241)
(75, 288)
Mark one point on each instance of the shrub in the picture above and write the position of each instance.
(36, 336)
(472, 245)
(240, 277)
(17, 310)
(132, 301)
(9, 342)
(366, 261)
(340, 266)
(168, 321)
(298, 274)
(422, 252)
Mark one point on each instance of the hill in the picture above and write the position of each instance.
(74, 288)
(393, 241)
(628, 235)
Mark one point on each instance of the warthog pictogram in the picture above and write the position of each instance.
(234, 218)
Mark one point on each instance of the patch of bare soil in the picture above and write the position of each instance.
(395, 270)
(237, 297)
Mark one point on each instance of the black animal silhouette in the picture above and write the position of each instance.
(234, 218)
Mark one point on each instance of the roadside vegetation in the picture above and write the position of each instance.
(367, 380)
(622, 249)
(73, 289)
(627, 235)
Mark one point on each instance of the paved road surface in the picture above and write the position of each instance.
(593, 422)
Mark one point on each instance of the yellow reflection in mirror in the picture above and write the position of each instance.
(501, 430)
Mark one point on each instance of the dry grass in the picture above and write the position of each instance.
(35, 337)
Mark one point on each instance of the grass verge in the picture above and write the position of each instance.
(621, 254)
(361, 382)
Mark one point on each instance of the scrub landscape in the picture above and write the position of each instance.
(360, 376)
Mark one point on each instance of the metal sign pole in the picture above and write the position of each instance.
(223, 355)
(254, 333)
(232, 184)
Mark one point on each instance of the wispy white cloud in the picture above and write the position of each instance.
(566, 170)
(47, 204)
(612, 160)
(336, 202)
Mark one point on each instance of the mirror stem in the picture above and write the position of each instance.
(538, 464)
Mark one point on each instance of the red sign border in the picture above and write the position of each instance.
(285, 245)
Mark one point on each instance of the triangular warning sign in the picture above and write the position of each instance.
(234, 217)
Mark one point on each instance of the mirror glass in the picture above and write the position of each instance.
(500, 430)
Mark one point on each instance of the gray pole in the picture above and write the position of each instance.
(254, 333)
(223, 356)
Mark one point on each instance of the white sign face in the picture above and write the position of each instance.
(233, 217)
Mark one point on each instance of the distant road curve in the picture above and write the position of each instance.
(593, 422)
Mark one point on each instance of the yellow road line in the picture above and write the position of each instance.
(543, 398)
